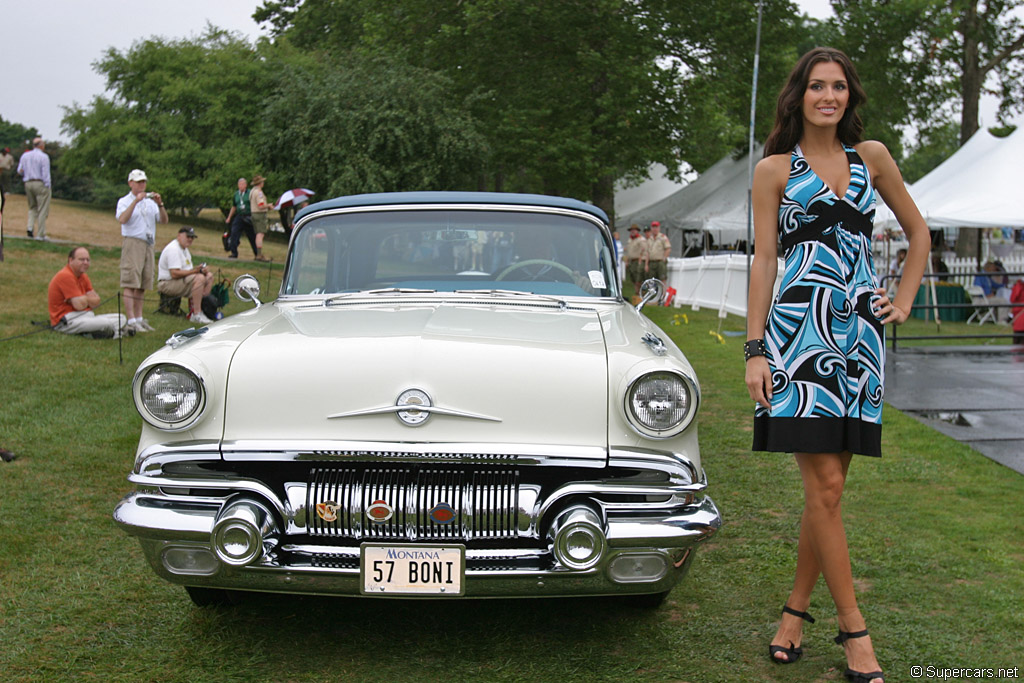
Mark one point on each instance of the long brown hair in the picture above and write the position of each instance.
(789, 119)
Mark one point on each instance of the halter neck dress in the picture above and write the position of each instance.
(825, 347)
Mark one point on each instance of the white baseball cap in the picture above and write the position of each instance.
(137, 175)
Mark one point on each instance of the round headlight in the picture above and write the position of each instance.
(170, 396)
(659, 404)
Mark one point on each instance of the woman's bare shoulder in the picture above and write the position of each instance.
(873, 151)
(773, 169)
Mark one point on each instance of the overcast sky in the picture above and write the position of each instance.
(47, 48)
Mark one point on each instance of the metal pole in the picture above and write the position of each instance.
(750, 143)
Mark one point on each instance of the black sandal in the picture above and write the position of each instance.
(792, 653)
(857, 676)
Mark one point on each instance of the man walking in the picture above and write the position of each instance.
(177, 277)
(71, 299)
(138, 213)
(34, 169)
(240, 219)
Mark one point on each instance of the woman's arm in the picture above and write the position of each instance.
(888, 180)
(769, 182)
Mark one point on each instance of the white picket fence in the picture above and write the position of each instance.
(957, 266)
(720, 282)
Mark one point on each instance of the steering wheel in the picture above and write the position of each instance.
(538, 266)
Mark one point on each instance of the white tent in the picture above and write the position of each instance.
(631, 199)
(716, 202)
(976, 187)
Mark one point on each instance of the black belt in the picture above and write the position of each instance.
(840, 212)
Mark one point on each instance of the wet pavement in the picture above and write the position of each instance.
(974, 394)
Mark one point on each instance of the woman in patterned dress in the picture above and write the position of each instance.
(815, 357)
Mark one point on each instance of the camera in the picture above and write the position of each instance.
(150, 195)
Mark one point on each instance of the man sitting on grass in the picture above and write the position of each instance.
(72, 298)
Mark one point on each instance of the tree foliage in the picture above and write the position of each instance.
(927, 62)
(572, 94)
(15, 135)
(350, 124)
(185, 111)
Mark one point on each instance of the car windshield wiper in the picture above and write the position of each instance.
(387, 290)
(513, 292)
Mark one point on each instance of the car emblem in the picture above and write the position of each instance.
(328, 511)
(410, 401)
(442, 513)
(379, 512)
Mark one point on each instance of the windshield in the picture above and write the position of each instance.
(449, 250)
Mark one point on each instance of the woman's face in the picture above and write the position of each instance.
(826, 96)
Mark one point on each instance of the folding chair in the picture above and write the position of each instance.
(984, 311)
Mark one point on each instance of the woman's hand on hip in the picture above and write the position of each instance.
(759, 381)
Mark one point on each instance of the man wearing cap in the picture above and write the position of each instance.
(71, 299)
(635, 257)
(658, 248)
(34, 169)
(177, 277)
(138, 213)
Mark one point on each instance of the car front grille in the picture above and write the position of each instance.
(413, 504)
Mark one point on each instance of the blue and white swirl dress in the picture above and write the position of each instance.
(825, 347)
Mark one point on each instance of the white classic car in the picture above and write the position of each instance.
(449, 398)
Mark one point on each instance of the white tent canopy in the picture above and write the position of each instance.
(978, 186)
(716, 202)
(629, 200)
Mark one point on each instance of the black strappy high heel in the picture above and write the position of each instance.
(792, 652)
(857, 676)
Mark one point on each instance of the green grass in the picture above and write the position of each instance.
(935, 531)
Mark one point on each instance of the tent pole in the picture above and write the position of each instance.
(750, 143)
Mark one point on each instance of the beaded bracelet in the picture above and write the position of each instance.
(754, 347)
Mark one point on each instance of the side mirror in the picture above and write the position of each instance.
(247, 288)
(651, 290)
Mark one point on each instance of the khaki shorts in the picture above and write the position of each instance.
(137, 264)
(259, 222)
(181, 286)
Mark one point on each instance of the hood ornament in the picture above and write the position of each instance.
(655, 344)
(414, 407)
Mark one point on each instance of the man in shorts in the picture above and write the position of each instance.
(138, 212)
(177, 277)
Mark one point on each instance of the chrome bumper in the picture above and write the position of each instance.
(326, 570)
(198, 527)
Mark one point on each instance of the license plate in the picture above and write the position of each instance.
(412, 569)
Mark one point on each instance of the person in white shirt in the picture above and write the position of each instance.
(176, 276)
(138, 212)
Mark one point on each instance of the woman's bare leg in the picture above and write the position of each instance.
(824, 476)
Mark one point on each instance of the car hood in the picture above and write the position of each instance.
(512, 374)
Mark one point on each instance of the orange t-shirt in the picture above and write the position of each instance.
(63, 287)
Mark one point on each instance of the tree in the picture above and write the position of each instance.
(928, 61)
(185, 111)
(367, 125)
(572, 94)
(15, 135)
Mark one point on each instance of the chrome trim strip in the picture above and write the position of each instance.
(423, 409)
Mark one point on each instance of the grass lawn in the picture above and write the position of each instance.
(935, 530)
